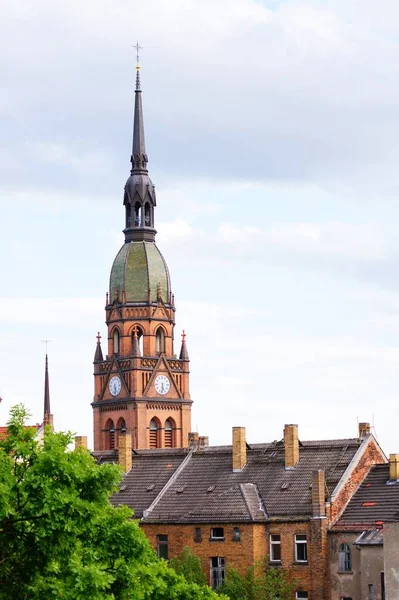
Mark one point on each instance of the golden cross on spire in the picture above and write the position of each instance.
(138, 48)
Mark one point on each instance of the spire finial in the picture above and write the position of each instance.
(98, 355)
(137, 47)
(98, 336)
(183, 350)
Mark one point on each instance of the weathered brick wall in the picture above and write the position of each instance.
(238, 555)
(371, 456)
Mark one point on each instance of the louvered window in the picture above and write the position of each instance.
(169, 434)
(345, 558)
(154, 434)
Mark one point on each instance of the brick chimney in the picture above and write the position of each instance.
(239, 449)
(318, 493)
(394, 467)
(364, 429)
(125, 452)
(80, 441)
(193, 438)
(291, 446)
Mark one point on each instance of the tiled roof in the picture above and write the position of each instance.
(375, 502)
(3, 430)
(207, 489)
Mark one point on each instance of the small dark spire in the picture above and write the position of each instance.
(139, 156)
(98, 356)
(135, 344)
(183, 350)
(47, 411)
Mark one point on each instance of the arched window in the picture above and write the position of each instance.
(137, 217)
(110, 435)
(140, 336)
(169, 433)
(116, 341)
(154, 434)
(345, 558)
(121, 427)
(147, 215)
(160, 340)
(128, 215)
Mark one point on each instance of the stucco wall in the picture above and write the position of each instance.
(391, 560)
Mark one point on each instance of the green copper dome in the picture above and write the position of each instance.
(138, 268)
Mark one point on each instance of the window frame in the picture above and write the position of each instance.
(163, 546)
(303, 544)
(217, 572)
(304, 597)
(344, 558)
(214, 538)
(236, 534)
(198, 535)
(274, 544)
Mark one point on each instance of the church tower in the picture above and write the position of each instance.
(141, 387)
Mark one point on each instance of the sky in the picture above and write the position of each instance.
(272, 133)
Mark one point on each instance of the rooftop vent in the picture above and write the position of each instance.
(181, 489)
(123, 487)
(210, 489)
(285, 485)
(150, 487)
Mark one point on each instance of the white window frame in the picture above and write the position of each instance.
(272, 545)
(217, 538)
(303, 595)
(301, 542)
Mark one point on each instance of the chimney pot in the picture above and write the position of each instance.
(394, 467)
(239, 449)
(364, 429)
(291, 446)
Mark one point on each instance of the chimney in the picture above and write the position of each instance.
(203, 441)
(239, 449)
(81, 441)
(193, 438)
(291, 446)
(364, 429)
(394, 467)
(318, 493)
(125, 452)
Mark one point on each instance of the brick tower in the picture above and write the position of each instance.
(141, 387)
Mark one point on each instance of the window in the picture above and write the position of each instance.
(128, 215)
(344, 558)
(217, 533)
(137, 220)
(301, 550)
(116, 341)
(236, 534)
(275, 547)
(301, 595)
(162, 546)
(371, 591)
(147, 219)
(217, 571)
(137, 331)
(197, 534)
(154, 434)
(169, 433)
(160, 340)
(110, 435)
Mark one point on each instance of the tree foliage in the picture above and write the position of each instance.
(61, 538)
(259, 582)
(189, 565)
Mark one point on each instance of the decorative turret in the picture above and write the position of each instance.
(183, 349)
(98, 355)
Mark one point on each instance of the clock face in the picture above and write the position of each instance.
(162, 384)
(115, 385)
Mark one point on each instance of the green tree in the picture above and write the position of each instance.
(189, 565)
(259, 582)
(59, 535)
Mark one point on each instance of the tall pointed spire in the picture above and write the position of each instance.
(139, 199)
(47, 416)
(139, 157)
(98, 355)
